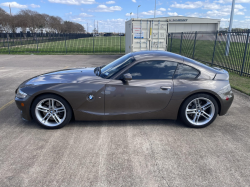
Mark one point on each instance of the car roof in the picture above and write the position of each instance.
(157, 54)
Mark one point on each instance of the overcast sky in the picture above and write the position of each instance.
(111, 15)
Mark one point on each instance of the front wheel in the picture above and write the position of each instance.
(199, 110)
(51, 111)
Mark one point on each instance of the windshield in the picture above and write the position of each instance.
(117, 65)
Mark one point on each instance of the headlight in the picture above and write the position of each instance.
(20, 94)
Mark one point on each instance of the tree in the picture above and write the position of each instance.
(4, 21)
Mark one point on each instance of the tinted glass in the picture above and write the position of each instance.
(185, 72)
(116, 66)
(153, 70)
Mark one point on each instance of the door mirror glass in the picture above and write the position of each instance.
(126, 77)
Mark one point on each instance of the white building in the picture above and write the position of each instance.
(152, 33)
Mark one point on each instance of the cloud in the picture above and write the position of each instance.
(172, 14)
(159, 3)
(13, 5)
(152, 12)
(188, 5)
(73, 2)
(134, 1)
(247, 16)
(110, 2)
(223, 19)
(35, 6)
(162, 9)
(85, 15)
(169, 8)
(104, 8)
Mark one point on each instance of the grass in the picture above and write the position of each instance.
(240, 83)
(113, 44)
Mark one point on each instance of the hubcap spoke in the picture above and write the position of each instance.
(206, 115)
(191, 111)
(42, 108)
(206, 106)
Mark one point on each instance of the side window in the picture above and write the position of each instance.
(159, 69)
(185, 72)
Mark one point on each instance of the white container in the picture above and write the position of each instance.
(145, 34)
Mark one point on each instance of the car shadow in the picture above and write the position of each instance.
(120, 123)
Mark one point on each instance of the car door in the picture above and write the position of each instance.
(150, 89)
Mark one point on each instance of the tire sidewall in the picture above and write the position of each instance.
(53, 96)
(188, 100)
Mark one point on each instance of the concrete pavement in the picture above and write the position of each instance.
(116, 153)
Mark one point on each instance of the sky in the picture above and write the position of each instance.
(112, 14)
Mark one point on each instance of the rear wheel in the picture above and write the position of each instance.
(199, 110)
(51, 111)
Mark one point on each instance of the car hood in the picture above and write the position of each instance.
(63, 76)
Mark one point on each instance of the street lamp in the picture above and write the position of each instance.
(137, 10)
(230, 28)
(130, 14)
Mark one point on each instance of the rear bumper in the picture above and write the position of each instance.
(226, 102)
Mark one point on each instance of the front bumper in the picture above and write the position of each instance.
(25, 109)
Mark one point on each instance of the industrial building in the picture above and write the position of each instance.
(152, 33)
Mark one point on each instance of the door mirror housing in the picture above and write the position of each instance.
(126, 77)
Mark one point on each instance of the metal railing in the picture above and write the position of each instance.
(55, 43)
(210, 48)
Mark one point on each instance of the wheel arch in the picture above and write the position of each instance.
(202, 92)
(44, 93)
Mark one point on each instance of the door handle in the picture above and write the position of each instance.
(165, 88)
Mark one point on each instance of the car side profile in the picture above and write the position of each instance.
(138, 85)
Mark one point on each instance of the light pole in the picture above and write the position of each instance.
(230, 28)
(130, 14)
(155, 7)
(137, 10)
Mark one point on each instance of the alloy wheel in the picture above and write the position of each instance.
(50, 112)
(200, 111)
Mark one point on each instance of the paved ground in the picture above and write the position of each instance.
(116, 153)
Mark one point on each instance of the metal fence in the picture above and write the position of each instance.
(54, 43)
(210, 48)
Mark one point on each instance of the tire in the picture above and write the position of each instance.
(196, 112)
(51, 111)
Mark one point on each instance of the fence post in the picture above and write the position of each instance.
(214, 47)
(65, 43)
(171, 42)
(8, 43)
(120, 44)
(181, 42)
(36, 43)
(244, 59)
(195, 36)
(93, 44)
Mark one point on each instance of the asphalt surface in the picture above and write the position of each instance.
(116, 153)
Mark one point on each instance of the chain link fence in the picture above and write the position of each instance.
(49, 43)
(210, 48)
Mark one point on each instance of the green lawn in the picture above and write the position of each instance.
(204, 50)
(113, 44)
(240, 83)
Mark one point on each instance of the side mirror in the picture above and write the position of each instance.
(126, 77)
